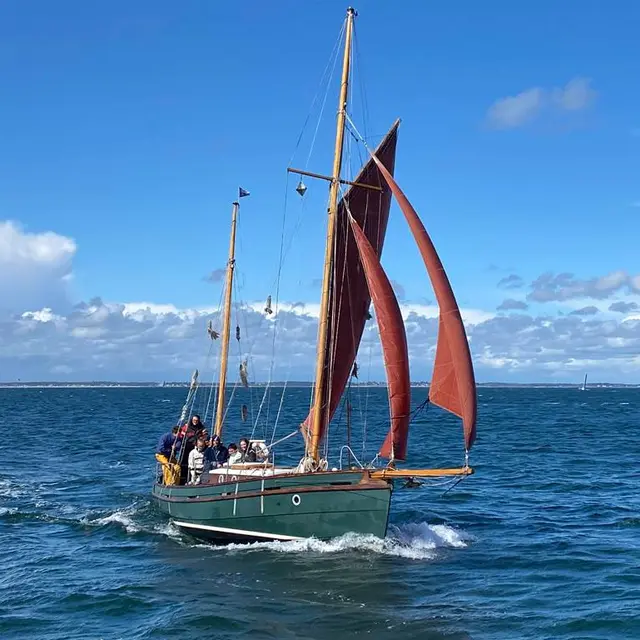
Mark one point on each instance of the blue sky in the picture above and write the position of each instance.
(128, 126)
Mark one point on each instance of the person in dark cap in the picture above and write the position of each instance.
(216, 455)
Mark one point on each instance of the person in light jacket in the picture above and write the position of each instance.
(196, 461)
(234, 454)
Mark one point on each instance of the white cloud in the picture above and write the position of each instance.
(510, 304)
(35, 268)
(41, 339)
(565, 286)
(577, 94)
(153, 342)
(515, 111)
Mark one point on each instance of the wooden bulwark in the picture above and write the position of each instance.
(294, 489)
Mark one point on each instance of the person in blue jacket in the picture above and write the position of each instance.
(166, 454)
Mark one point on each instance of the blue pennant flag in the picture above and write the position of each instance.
(242, 193)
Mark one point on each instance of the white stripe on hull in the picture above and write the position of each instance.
(240, 532)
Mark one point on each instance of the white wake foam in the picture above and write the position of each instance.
(122, 517)
(10, 489)
(418, 541)
(126, 518)
(414, 541)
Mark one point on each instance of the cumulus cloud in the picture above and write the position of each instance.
(513, 305)
(43, 339)
(585, 311)
(624, 307)
(565, 286)
(514, 111)
(35, 268)
(216, 275)
(512, 281)
(526, 106)
(144, 341)
(577, 94)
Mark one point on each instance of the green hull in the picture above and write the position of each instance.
(320, 505)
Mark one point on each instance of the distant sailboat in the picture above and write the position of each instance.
(584, 384)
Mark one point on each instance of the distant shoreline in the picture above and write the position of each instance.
(297, 384)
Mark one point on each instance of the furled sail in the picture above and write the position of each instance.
(394, 346)
(349, 295)
(453, 385)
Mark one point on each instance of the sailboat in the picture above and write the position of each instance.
(584, 384)
(263, 501)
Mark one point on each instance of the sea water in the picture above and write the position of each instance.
(542, 542)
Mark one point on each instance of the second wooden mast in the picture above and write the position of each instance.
(226, 322)
(320, 401)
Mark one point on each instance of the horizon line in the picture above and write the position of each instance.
(283, 383)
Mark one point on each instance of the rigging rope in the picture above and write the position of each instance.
(333, 53)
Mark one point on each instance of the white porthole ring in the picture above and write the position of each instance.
(295, 499)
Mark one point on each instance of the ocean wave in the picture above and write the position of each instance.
(12, 490)
(134, 519)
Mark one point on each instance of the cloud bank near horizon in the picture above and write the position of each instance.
(552, 329)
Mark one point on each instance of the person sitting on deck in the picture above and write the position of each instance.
(216, 455)
(234, 454)
(247, 453)
(196, 461)
(166, 453)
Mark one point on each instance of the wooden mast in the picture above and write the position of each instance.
(319, 412)
(226, 326)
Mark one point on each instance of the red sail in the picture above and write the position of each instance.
(394, 347)
(453, 385)
(349, 296)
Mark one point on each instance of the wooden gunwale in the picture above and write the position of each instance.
(241, 479)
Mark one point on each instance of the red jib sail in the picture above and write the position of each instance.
(394, 346)
(349, 295)
(453, 385)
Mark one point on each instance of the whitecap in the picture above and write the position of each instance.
(168, 529)
(10, 490)
(418, 541)
(123, 517)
